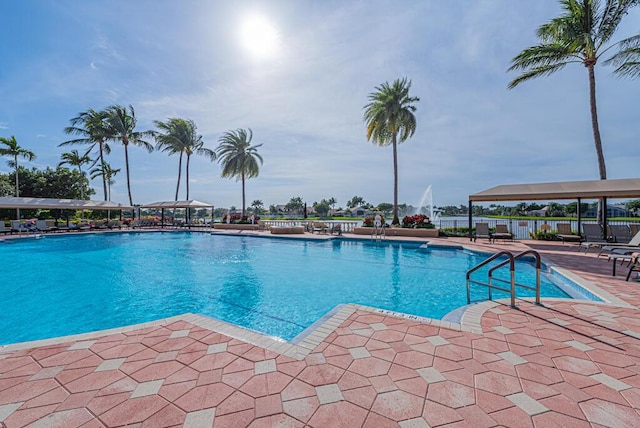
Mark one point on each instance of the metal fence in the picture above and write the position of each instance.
(521, 229)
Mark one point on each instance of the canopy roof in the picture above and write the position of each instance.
(592, 189)
(178, 204)
(60, 204)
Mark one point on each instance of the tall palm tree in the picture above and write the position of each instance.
(238, 157)
(180, 136)
(107, 173)
(390, 120)
(12, 149)
(580, 35)
(74, 158)
(91, 127)
(627, 60)
(121, 124)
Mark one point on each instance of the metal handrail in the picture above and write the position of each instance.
(511, 260)
(518, 256)
(484, 263)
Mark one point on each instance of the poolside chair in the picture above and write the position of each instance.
(635, 266)
(629, 247)
(337, 229)
(51, 224)
(565, 234)
(592, 236)
(320, 227)
(61, 227)
(18, 226)
(502, 233)
(635, 228)
(482, 231)
(4, 229)
(620, 233)
(114, 224)
(41, 226)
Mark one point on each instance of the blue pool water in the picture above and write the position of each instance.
(60, 285)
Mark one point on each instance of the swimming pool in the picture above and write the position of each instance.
(60, 285)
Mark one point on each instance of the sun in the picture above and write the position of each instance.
(259, 37)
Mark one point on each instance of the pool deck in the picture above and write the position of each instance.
(566, 363)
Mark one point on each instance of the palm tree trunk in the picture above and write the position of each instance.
(15, 159)
(188, 158)
(179, 174)
(596, 135)
(243, 194)
(126, 164)
(104, 178)
(396, 220)
(81, 187)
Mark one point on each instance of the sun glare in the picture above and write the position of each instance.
(259, 37)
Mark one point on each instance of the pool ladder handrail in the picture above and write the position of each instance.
(512, 282)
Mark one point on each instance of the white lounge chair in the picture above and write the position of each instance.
(41, 226)
(4, 229)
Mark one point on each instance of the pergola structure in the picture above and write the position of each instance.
(162, 205)
(60, 204)
(591, 189)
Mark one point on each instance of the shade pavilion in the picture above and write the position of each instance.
(162, 205)
(579, 190)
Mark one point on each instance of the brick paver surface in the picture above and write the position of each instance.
(567, 363)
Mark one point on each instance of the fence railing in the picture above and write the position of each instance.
(520, 229)
(347, 226)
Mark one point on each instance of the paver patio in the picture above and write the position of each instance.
(567, 363)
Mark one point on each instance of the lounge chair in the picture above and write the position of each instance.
(592, 236)
(619, 233)
(336, 228)
(502, 233)
(482, 231)
(51, 224)
(635, 228)
(113, 224)
(61, 227)
(629, 247)
(320, 227)
(19, 226)
(565, 234)
(4, 229)
(635, 266)
(41, 226)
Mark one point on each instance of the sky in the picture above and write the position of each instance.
(298, 74)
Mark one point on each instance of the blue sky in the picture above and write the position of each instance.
(304, 99)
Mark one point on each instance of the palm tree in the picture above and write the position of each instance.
(121, 125)
(627, 59)
(91, 127)
(180, 136)
(12, 149)
(390, 120)
(580, 35)
(107, 173)
(170, 141)
(238, 157)
(74, 158)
